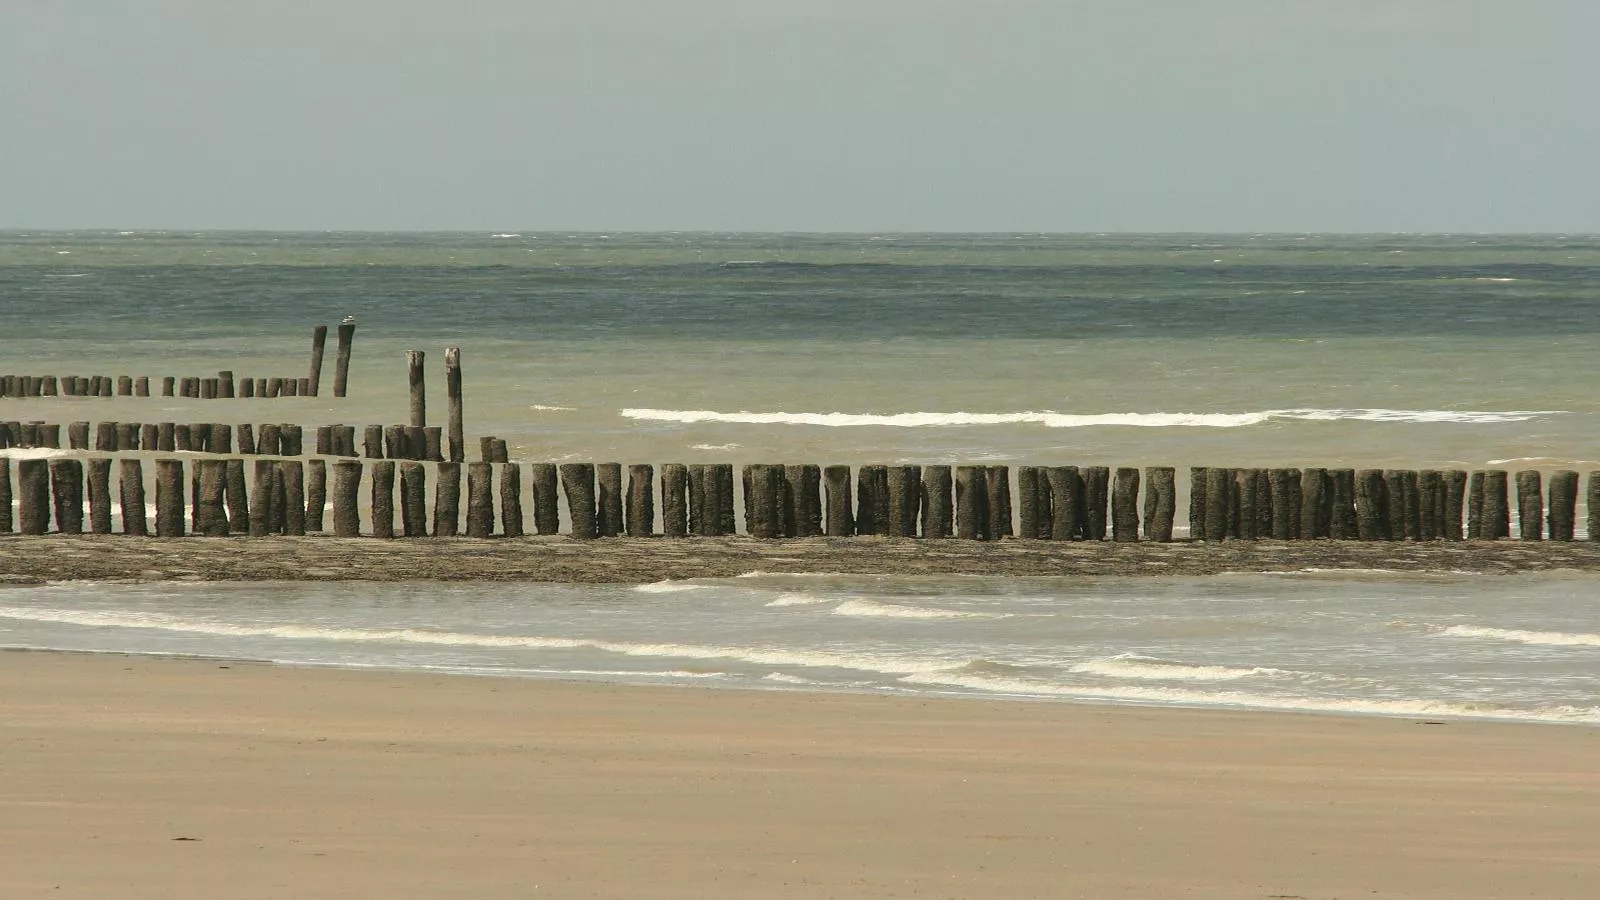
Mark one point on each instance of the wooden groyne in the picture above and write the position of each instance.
(284, 495)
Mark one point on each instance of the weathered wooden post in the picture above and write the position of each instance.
(269, 441)
(78, 436)
(130, 496)
(452, 387)
(972, 503)
(608, 499)
(577, 482)
(1342, 500)
(1430, 505)
(413, 499)
(417, 381)
(124, 385)
(1287, 503)
(997, 479)
(447, 500)
(938, 520)
(1096, 495)
(872, 499)
(1067, 503)
(341, 369)
(1197, 503)
(274, 387)
(1245, 498)
(721, 477)
(1372, 505)
(417, 442)
(261, 498)
(1530, 505)
(169, 498)
(1475, 507)
(168, 385)
(293, 475)
(904, 493)
(1316, 506)
(1592, 504)
(319, 340)
(433, 447)
(1496, 506)
(1160, 502)
(208, 388)
(511, 522)
(237, 496)
(841, 515)
(641, 518)
(261, 387)
(382, 499)
(105, 437)
(546, 506)
(149, 436)
(346, 491)
(1563, 504)
(225, 384)
(324, 440)
(1125, 506)
(762, 486)
(66, 484)
(372, 441)
(141, 386)
(210, 517)
(247, 388)
(480, 499)
(33, 496)
(6, 524)
(99, 472)
(501, 452)
(222, 438)
(1394, 484)
(674, 508)
(316, 492)
(803, 484)
(50, 435)
(1030, 497)
(1215, 492)
(291, 440)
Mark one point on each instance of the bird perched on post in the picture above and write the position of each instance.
(348, 320)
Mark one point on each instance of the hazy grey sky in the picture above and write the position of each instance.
(954, 115)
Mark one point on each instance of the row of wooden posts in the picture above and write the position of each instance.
(269, 439)
(223, 386)
(1064, 503)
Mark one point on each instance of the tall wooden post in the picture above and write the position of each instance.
(452, 386)
(130, 496)
(341, 370)
(319, 340)
(416, 380)
(674, 508)
(346, 490)
(511, 500)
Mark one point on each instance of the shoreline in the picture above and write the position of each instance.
(179, 778)
(39, 559)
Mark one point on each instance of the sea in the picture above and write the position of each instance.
(1388, 350)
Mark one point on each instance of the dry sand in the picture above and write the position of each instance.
(137, 777)
(632, 560)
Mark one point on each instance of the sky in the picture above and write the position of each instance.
(805, 115)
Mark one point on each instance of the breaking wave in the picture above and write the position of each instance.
(1541, 638)
(875, 610)
(1074, 420)
(1131, 665)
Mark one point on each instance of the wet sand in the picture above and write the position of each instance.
(174, 779)
(114, 557)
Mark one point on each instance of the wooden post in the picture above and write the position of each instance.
(413, 499)
(1475, 507)
(1530, 505)
(208, 388)
(6, 524)
(99, 476)
(577, 482)
(33, 496)
(1245, 498)
(905, 499)
(149, 436)
(316, 493)
(416, 379)
(1430, 505)
(937, 518)
(341, 370)
(1286, 503)
(1394, 486)
(1496, 506)
(169, 498)
(841, 521)
(997, 479)
(211, 519)
(1068, 507)
(1160, 502)
(78, 436)
(972, 503)
(1197, 503)
(511, 500)
(1096, 483)
(803, 483)
(1218, 491)
(695, 484)
(382, 499)
(130, 495)
(222, 438)
(1033, 502)
(432, 446)
(1372, 505)
(417, 441)
(1455, 485)
(346, 490)
(722, 480)
(447, 500)
(225, 384)
(1342, 505)
(291, 440)
(319, 340)
(872, 499)
(762, 486)
(608, 500)
(1563, 504)
(452, 387)
(674, 508)
(105, 437)
(247, 388)
(269, 441)
(1592, 504)
(261, 498)
(641, 518)
(501, 452)
(1316, 504)
(141, 386)
(238, 498)
(480, 499)
(274, 387)
(1125, 506)
(124, 385)
(546, 508)
(372, 441)
(261, 387)
(66, 484)
(324, 440)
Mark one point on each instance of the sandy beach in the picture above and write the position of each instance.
(139, 777)
(34, 560)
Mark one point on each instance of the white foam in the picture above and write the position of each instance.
(715, 448)
(1541, 638)
(542, 408)
(667, 587)
(874, 610)
(797, 599)
(1070, 420)
(1131, 665)
(1241, 699)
